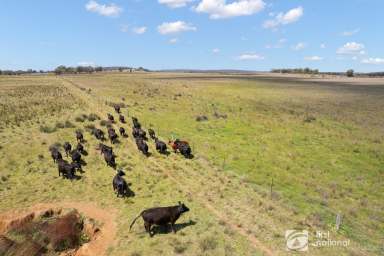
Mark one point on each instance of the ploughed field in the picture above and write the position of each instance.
(270, 155)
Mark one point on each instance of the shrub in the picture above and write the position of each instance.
(208, 243)
(93, 117)
(104, 123)
(68, 124)
(350, 73)
(59, 125)
(201, 118)
(90, 127)
(47, 129)
(179, 249)
(81, 118)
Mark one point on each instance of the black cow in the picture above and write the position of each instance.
(99, 134)
(111, 118)
(112, 135)
(142, 146)
(136, 123)
(161, 147)
(122, 132)
(76, 156)
(151, 133)
(67, 147)
(80, 148)
(117, 108)
(104, 149)
(161, 216)
(139, 133)
(77, 166)
(182, 146)
(109, 158)
(66, 170)
(79, 136)
(122, 119)
(120, 186)
(55, 153)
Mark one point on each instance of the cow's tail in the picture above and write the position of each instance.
(133, 222)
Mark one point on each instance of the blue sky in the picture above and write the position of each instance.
(331, 35)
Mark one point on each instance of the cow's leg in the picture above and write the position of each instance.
(173, 228)
(147, 226)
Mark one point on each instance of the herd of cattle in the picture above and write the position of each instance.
(152, 216)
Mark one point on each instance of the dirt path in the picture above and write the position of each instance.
(104, 239)
(97, 105)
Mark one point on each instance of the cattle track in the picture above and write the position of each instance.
(202, 173)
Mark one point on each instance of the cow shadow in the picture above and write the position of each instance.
(82, 162)
(165, 153)
(115, 141)
(76, 177)
(166, 229)
(129, 193)
(84, 152)
(190, 156)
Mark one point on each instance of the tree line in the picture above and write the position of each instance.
(74, 70)
(20, 72)
(295, 71)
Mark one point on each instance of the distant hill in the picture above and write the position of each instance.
(207, 71)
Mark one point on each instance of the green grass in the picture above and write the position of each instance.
(257, 130)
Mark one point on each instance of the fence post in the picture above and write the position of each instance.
(338, 221)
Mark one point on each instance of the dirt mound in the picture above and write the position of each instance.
(56, 231)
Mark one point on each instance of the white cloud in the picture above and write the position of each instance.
(173, 40)
(323, 46)
(175, 3)
(313, 58)
(352, 48)
(376, 61)
(110, 10)
(250, 56)
(86, 64)
(219, 9)
(215, 50)
(291, 16)
(350, 33)
(139, 30)
(175, 27)
(299, 46)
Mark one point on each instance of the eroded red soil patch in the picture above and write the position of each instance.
(66, 229)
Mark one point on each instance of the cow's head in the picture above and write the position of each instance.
(183, 208)
(120, 173)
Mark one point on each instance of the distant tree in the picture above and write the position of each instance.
(70, 70)
(121, 69)
(99, 69)
(1, 72)
(350, 73)
(60, 70)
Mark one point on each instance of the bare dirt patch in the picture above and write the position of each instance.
(65, 229)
